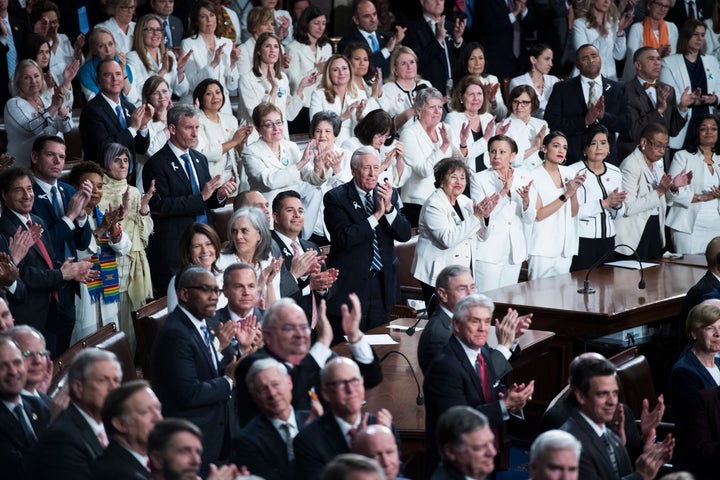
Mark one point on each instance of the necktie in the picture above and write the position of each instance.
(286, 430)
(102, 438)
(121, 116)
(376, 263)
(351, 436)
(208, 343)
(374, 43)
(12, 51)
(297, 251)
(647, 85)
(168, 35)
(193, 183)
(27, 429)
(611, 453)
(484, 378)
(516, 30)
(691, 10)
(56, 202)
(46, 256)
(592, 94)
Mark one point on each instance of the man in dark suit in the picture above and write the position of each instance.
(681, 12)
(194, 363)
(652, 102)
(554, 454)
(37, 360)
(108, 117)
(22, 418)
(378, 442)
(181, 197)
(586, 99)
(264, 445)
(453, 283)
(78, 436)
(286, 335)
(302, 277)
(437, 42)
(40, 271)
(62, 210)
(501, 31)
(382, 44)
(173, 30)
(363, 243)
(241, 290)
(707, 283)
(465, 373)
(466, 443)
(12, 32)
(129, 413)
(331, 434)
(595, 391)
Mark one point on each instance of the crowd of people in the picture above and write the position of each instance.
(448, 123)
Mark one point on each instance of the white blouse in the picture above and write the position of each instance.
(123, 41)
(141, 74)
(199, 67)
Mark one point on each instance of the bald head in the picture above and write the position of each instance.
(378, 442)
(712, 252)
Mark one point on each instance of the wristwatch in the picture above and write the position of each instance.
(563, 198)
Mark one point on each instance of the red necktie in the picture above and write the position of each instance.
(691, 10)
(46, 257)
(484, 379)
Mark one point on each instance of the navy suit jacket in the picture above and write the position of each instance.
(351, 249)
(567, 108)
(66, 450)
(693, 297)
(189, 383)
(13, 442)
(678, 15)
(117, 463)
(176, 30)
(378, 59)
(431, 65)
(594, 458)
(99, 125)
(39, 280)
(705, 435)
(262, 450)
(174, 207)
(63, 238)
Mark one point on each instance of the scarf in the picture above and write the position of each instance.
(649, 38)
(229, 27)
(104, 262)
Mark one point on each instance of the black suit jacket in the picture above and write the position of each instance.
(222, 315)
(351, 248)
(451, 380)
(99, 125)
(594, 459)
(378, 59)
(567, 108)
(678, 15)
(262, 450)
(64, 239)
(39, 280)
(705, 435)
(13, 442)
(174, 208)
(643, 112)
(430, 53)
(446, 471)
(693, 297)
(117, 463)
(66, 450)
(189, 383)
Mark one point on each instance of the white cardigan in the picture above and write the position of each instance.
(683, 212)
(444, 238)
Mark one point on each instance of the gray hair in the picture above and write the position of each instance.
(425, 95)
(260, 366)
(272, 314)
(451, 271)
(326, 116)
(364, 150)
(455, 422)
(110, 151)
(84, 361)
(13, 332)
(554, 440)
(329, 368)
(178, 111)
(259, 222)
(463, 306)
(340, 467)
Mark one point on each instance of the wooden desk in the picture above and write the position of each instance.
(618, 304)
(398, 391)
(692, 260)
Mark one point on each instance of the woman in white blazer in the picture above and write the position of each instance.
(427, 141)
(648, 190)
(213, 56)
(527, 131)
(337, 93)
(398, 92)
(273, 164)
(260, 20)
(694, 214)
(704, 74)
(120, 23)
(472, 62)
(449, 225)
(500, 254)
(539, 78)
(554, 238)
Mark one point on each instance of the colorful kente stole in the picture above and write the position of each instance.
(104, 262)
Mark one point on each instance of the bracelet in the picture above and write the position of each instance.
(463, 146)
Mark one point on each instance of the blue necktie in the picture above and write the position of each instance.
(168, 35)
(193, 183)
(121, 117)
(209, 345)
(374, 43)
(12, 51)
(26, 428)
(376, 263)
(56, 202)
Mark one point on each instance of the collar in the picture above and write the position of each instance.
(176, 150)
(643, 81)
(469, 352)
(142, 459)
(430, 19)
(195, 321)
(287, 240)
(714, 275)
(585, 79)
(360, 191)
(23, 218)
(34, 394)
(95, 426)
(447, 312)
(236, 317)
(278, 422)
(111, 102)
(345, 426)
(11, 405)
(367, 35)
(598, 429)
(46, 187)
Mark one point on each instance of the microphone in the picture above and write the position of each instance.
(411, 331)
(419, 400)
(586, 283)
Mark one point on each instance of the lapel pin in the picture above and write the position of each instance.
(357, 207)
(174, 166)
(34, 416)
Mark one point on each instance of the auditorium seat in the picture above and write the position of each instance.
(119, 345)
(147, 322)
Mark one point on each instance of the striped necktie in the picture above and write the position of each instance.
(376, 264)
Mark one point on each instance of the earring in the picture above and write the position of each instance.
(642, 148)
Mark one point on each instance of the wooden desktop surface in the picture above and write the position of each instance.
(692, 260)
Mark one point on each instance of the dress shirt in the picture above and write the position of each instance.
(598, 429)
(288, 242)
(142, 459)
(46, 187)
(199, 324)
(179, 152)
(650, 91)
(278, 423)
(345, 427)
(366, 35)
(584, 81)
(13, 405)
(472, 358)
(130, 129)
(9, 41)
(95, 426)
(371, 219)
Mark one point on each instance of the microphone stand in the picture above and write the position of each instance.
(419, 400)
(586, 283)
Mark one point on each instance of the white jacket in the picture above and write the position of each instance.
(683, 212)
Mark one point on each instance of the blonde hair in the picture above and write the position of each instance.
(327, 86)
(139, 44)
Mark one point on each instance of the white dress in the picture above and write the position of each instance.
(543, 97)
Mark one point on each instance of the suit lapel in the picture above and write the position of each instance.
(10, 425)
(86, 433)
(199, 342)
(469, 369)
(175, 164)
(285, 250)
(354, 199)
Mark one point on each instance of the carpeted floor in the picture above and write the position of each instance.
(519, 465)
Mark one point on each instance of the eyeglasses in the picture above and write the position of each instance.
(524, 103)
(662, 5)
(658, 145)
(205, 289)
(351, 383)
(39, 355)
(269, 125)
(127, 7)
(295, 328)
(152, 30)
